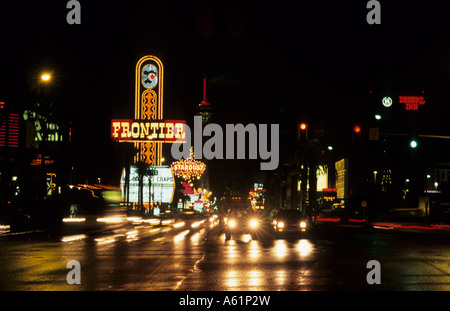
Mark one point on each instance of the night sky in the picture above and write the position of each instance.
(266, 62)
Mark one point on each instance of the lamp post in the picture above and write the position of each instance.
(45, 79)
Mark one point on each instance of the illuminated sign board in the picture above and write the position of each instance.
(188, 168)
(39, 129)
(322, 179)
(157, 187)
(342, 179)
(9, 131)
(141, 130)
(412, 102)
(387, 101)
(146, 131)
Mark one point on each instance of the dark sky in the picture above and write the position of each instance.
(314, 61)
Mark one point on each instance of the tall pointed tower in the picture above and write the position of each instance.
(205, 110)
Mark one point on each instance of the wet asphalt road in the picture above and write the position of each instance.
(145, 258)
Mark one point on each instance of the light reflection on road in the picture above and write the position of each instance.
(166, 258)
(304, 247)
(179, 237)
(247, 264)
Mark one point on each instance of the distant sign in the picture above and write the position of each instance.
(341, 167)
(386, 101)
(411, 102)
(374, 133)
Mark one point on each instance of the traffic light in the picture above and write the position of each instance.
(413, 144)
(356, 136)
(302, 131)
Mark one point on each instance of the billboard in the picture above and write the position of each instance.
(342, 178)
(143, 131)
(158, 184)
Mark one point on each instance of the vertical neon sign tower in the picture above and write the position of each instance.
(149, 84)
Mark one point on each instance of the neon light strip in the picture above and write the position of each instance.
(160, 86)
(159, 108)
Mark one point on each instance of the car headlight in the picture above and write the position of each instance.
(280, 224)
(232, 223)
(303, 224)
(253, 223)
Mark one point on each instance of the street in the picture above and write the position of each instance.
(220, 154)
(139, 257)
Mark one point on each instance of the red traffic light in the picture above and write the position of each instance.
(302, 126)
(357, 129)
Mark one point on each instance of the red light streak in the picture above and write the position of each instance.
(398, 226)
(356, 220)
(328, 219)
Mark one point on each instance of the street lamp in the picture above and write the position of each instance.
(46, 77)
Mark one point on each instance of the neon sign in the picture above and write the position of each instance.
(155, 131)
(412, 102)
(149, 105)
(147, 130)
(188, 168)
(9, 131)
(387, 101)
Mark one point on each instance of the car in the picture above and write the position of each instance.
(241, 221)
(86, 210)
(290, 221)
